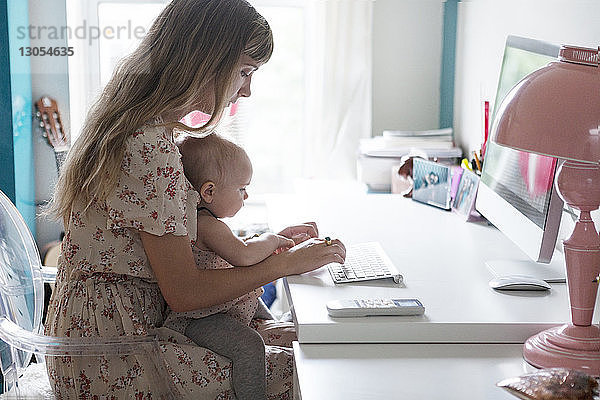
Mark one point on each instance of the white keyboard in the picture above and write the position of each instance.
(364, 262)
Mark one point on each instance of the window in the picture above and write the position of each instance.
(126, 23)
(271, 120)
(269, 124)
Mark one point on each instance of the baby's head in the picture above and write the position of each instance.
(218, 169)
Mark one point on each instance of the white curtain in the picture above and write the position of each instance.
(338, 106)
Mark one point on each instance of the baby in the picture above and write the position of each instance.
(220, 171)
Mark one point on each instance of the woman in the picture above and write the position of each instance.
(130, 214)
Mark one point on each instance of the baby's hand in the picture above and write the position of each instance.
(283, 243)
(301, 233)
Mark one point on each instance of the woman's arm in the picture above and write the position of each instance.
(216, 235)
(187, 288)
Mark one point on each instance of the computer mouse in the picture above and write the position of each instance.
(519, 282)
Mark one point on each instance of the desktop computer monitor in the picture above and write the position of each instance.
(516, 191)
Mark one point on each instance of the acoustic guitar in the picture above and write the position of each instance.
(52, 128)
(51, 125)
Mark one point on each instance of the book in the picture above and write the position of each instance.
(444, 134)
(397, 143)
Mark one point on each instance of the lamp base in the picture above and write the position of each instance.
(565, 346)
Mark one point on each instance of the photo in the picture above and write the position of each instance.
(431, 183)
(465, 196)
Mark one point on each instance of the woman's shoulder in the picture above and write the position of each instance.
(152, 193)
(151, 145)
(151, 167)
(152, 135)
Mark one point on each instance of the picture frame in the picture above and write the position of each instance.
(464, 201)
(431, 183)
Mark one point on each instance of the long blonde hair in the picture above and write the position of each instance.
(192, 48)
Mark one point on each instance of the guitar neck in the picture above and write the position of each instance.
(60, 155)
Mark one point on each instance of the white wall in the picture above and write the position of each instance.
(482, 29)
(407, 50)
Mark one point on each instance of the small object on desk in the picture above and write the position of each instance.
(457, 173)
(554, 272)
(464, 201)
(552, 384)
(364, 262)
(432, 183)
(466, 164)
(366, 307)
(486, 126)
(519, 282)
(327, 241)
(477, 162)
(402, 176)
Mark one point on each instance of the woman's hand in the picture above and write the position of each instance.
(301, 233)
(312, 254)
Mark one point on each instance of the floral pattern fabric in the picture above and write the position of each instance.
(105, 287)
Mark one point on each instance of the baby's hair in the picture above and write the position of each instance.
(208, 158)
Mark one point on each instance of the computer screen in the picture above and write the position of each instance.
(516, 191)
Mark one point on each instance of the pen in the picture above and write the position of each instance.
(466, 165)
(486, 125)
(477, 161)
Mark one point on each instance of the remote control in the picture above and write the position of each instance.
(365, 307)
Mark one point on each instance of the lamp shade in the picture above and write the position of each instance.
(555, 110)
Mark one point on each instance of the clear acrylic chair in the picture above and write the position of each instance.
(22, 278)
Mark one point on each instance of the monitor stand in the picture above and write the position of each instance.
(554, 272)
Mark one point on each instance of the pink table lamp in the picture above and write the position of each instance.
(555, 111)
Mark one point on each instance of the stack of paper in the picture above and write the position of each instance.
(398, 143)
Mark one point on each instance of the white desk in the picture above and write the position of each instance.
(470, 336)
(405, 371)
(442, 259)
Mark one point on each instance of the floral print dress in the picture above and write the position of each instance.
(242, 308)
(105, 287)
